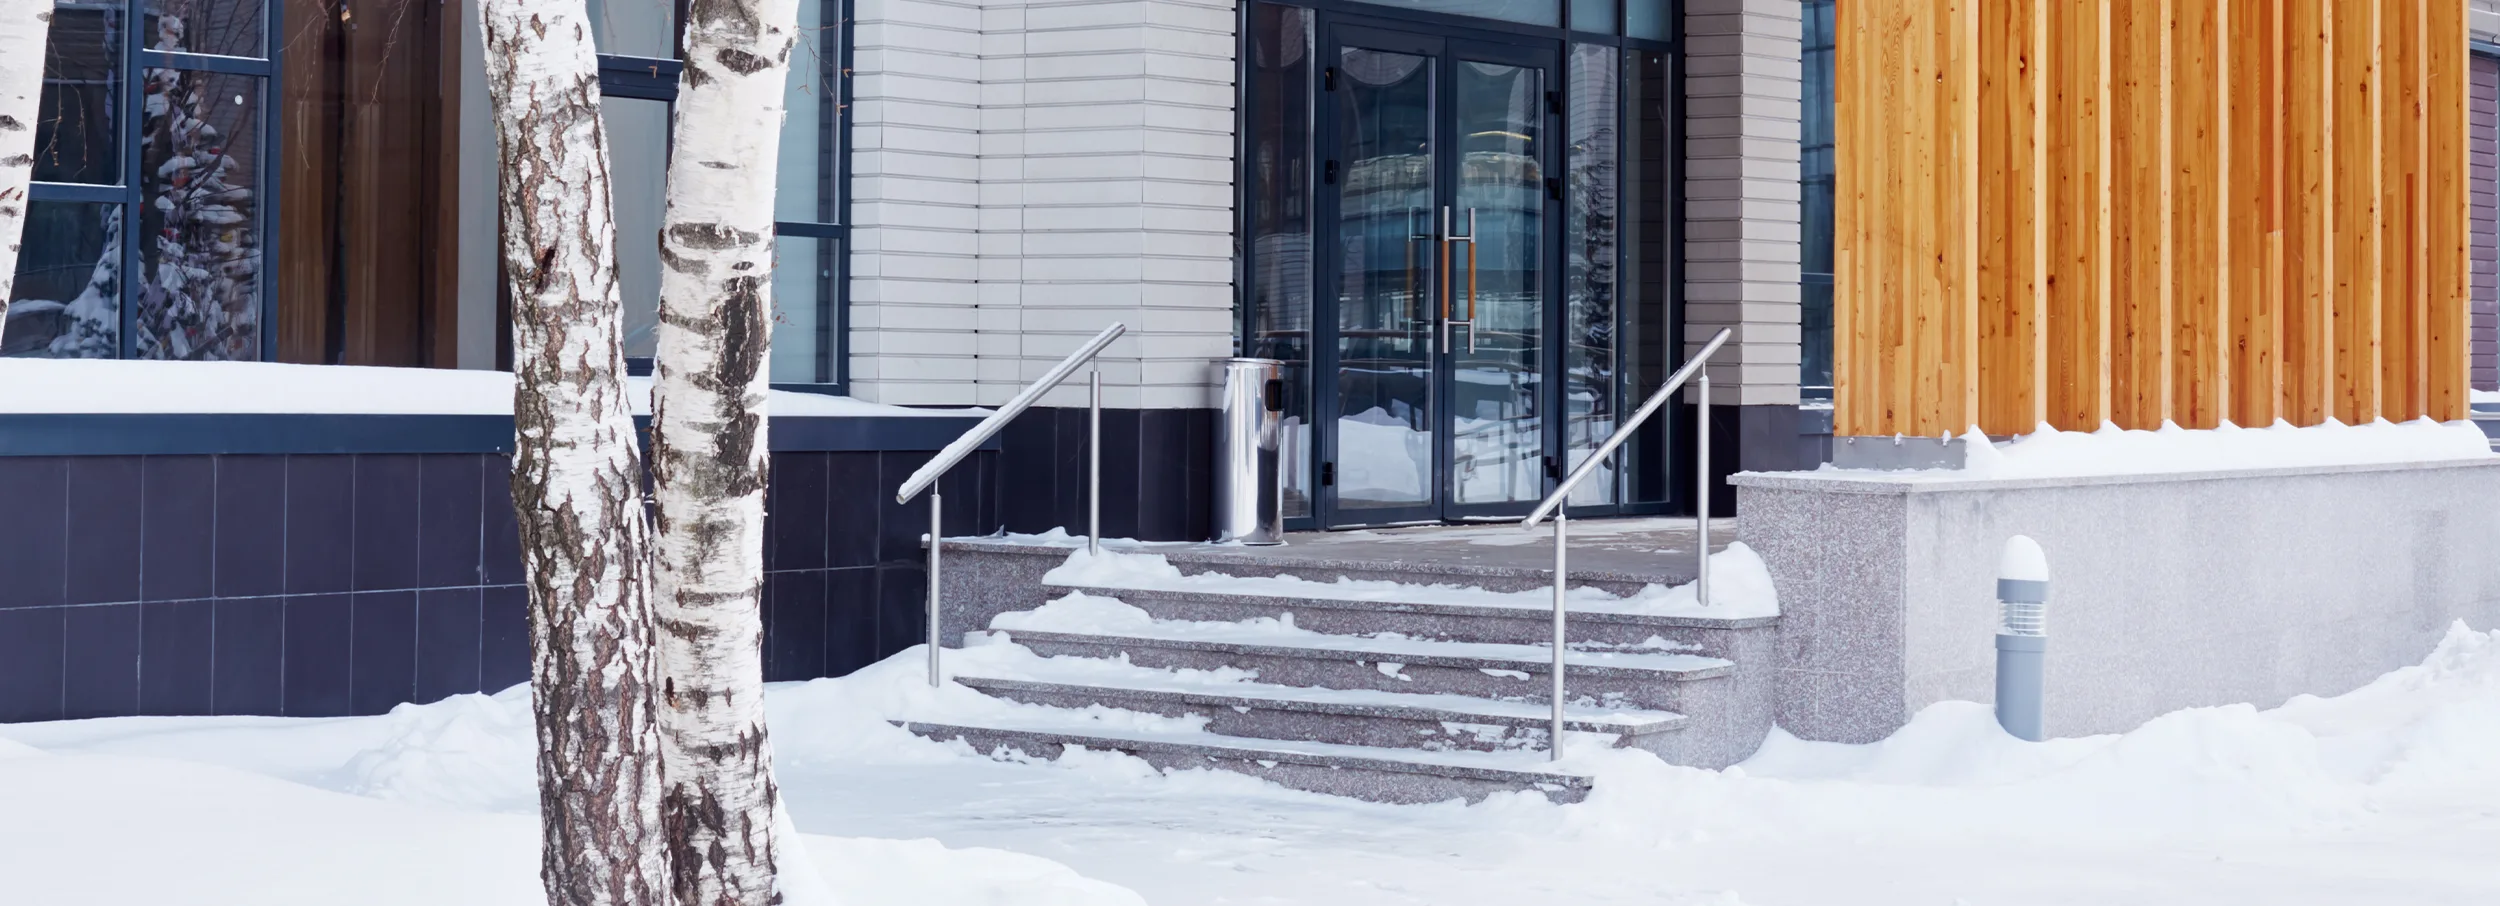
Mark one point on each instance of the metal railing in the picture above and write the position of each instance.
(927, 476)
(1553, 504)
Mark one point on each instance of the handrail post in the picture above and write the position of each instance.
(1701, 488)
(934, 632)
(1562, 547)
(1093, 463)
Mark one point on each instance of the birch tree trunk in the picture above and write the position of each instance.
(576, 471)
(708, 451)
(23, 27)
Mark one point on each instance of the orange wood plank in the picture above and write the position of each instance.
(1848, 203)
(2139, 309)
(2199, 180)
(2357, 94)
(2400, 376)
(2251, 206)
(2443, 212)
(2011, 177)
(2308, 271)
(2075, 309)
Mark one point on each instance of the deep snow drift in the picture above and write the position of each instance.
(2389, 794)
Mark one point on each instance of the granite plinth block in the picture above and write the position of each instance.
(2167, 591)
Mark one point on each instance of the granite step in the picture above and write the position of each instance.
(1376, 774)
(1363, 718)
(1446, 614)
(1642, 679)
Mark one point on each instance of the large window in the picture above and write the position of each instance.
(638, 81)
(145, 223)
(1815, 371)
(205, 191)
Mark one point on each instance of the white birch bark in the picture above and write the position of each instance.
(23, 27)
(576, 469)
(708, 433)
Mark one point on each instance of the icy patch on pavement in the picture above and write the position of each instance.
(1740, 587)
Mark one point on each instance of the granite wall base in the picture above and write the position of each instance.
(2169, 591)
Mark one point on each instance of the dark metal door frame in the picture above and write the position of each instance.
(1446, 46)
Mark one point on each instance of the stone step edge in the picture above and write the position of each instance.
(1318, 652)
(1133, 594)
(1667, 721)
(1385, 762)
(1216, 558)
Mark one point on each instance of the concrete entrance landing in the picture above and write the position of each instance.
(1620, 555)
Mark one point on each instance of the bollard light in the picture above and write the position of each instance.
(2022, 636)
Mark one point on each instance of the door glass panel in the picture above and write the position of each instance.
(1497, 283)
(1590, 390)
(1385, 260)
(1277, 139)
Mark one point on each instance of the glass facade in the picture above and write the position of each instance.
(1815, 371)
(1461, 241)
(160, 128)
(299, 198)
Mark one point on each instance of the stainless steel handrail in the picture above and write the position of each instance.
(972, 439)
(1701, 502)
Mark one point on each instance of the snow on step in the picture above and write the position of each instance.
(1367, 772)
(1740, 588)
(1071, 675)
(1109, 620)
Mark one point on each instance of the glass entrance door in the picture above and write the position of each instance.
(1435, 381)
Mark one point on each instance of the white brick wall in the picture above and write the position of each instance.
(1028, 171)
(1742, 70)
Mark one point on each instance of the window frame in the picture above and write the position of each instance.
(129, 193)
(627, 76)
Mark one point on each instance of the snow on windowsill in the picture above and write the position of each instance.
(2111, 451)
(91, 386)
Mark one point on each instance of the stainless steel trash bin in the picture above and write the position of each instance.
(1249, 493)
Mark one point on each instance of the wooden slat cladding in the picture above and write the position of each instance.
(2149, 211)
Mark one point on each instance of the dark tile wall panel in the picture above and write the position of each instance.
(449, 642)
(386, 517)
(178, 528)
(100, 673)
(319, 655)
(320, 524)
(382, 650)
(247, 655)
(34, 550)
(31, 657)
(504, 637)
(103, 529)
(176, 656)
(1157, 473)
(321, 585)
(250, 523)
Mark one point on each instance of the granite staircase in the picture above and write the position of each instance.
(1429, 688)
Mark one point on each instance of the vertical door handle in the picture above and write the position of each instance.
(1451, 237)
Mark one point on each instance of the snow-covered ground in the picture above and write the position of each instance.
(2386, 795)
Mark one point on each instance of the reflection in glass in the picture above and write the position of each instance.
(1648, 19)
(1532, 12)
(1594, 16)
(638, 183)
(635, 28)
(65, 303)
(199, 180)
(803, 268)
(1497, 282)
(1590, 391)
(77, 135)
(802, 281)
(228, 28)
(1278, 139)
(1815, 377)
(1386, 260)
(1646, 281)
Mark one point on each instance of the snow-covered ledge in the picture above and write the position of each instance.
(90, 407)
(2190, 568)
